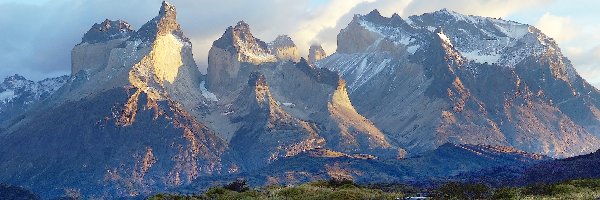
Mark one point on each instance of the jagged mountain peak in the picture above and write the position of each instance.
(167, 9)
(17, 93)
(446, 11)
(107, 30)
(284, 49)
(15, 81)
(242, 26)
(156, 59)
(15, 77)
(239, 40)
(282, 41)
(449, 57)
(235, 49)
(315, 53)
(164, 23)
(375, 17)
(374, 14)
(240, 32)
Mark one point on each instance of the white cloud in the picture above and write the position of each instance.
(587, 62)
(579, 42)
(488, 8)
(326, 17)
(557, 27)
(37, 38)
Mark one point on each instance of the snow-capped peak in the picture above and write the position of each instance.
(18, 87)
(239, 39)
(107, 30)
(167, 8)
(282, 41)
(457, 16)
(284, 48)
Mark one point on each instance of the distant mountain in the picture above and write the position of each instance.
(444, 163)
(579, 167)
(548, 171)
(418, 100)
(17, 93)
(446, 77)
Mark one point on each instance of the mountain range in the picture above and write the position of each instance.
(415, 100)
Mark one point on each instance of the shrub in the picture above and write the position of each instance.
(337, 182)
(507, 193)
(238, 185)
(538, 189)
(347, 195)
(585, 183)
(319, 184)
(215, 192)
(292, 193)
(549, 190)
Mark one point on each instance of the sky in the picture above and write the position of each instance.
(37, 35)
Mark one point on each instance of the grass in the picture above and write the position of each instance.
(575, 189)
(308, 191)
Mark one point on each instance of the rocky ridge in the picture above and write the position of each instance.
(411, 103)
(315, 53)
(17, 93)
(284, 49)
(422, 70)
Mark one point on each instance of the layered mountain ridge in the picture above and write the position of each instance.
(125, 117)
(401, 100)
(440, 67)
(17, 93)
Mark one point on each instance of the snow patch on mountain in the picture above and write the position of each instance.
(444, 38)
(483, 39)
(7, 96)
(397, 35)
(479, 57)
(16, 92)
(207, 94)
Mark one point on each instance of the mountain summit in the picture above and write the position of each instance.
(125, 120)
(435, 73)
(415, 100)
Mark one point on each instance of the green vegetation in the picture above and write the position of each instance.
(343, 189)
(334, 189)
(575, 189)
(461, 191)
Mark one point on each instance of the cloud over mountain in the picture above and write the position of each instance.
(42, 32)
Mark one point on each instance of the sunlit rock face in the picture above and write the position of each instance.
(426, 80)
(284, 49)
(126, 120)
(315, 53)
(93, 51)
(228, 53)
(288, 108)
(280, 108)
(401, 100)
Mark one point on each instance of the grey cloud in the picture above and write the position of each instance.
(40, 37)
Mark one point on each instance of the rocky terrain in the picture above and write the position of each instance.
(426, 80)
(17, 94)
(418, 100)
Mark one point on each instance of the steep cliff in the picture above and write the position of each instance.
(427, 80)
